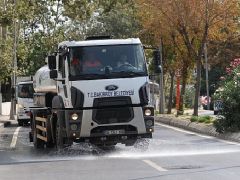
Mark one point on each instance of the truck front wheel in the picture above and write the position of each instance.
(59, 134)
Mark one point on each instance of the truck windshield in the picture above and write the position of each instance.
(108, 61)
(25, 91)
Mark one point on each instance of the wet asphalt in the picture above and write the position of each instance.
(172, 154)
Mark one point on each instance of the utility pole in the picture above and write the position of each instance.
(13, 82)
(206, 66)
(0, 59)
(0, 100)
(161, 88)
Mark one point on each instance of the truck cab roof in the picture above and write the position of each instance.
(101, 42)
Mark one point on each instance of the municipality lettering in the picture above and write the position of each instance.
(111, 93)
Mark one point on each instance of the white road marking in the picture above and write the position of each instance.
(197, 134)
(154, 165)
(14, 139)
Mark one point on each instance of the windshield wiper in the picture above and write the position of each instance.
(128, 73)
(89, 76)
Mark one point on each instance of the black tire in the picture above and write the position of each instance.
(20, 122)
(215, 112)
(107, 147)
(130, 142)
(61, 138)
(50, 143)
(59, 134)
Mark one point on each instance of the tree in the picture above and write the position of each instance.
(119, 22)
(194, 22)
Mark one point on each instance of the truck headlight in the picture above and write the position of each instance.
(74, 116)
(147, 112)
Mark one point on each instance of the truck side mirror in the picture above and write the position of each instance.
(52, 62)
(157, 61)
(53, 74)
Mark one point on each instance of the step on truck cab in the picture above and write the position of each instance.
(93, 91)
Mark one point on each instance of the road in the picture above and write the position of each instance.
(172, 154)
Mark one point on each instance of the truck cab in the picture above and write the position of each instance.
(102, 92)
(24, 101)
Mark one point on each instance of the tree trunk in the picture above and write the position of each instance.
(183, 89)
(181, 105)
(197, 86)
(171, 94)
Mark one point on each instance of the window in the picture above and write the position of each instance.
(111, 60)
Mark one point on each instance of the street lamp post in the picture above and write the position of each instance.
(206, 65)
(161, 88)
(0, 100)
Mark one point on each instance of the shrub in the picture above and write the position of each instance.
(194, 119)
(204, 119)
(208, 121)
(229, 119)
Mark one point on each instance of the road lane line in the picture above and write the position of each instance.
(197, 134)
(182, 130)
(154, 165)
(14, 139)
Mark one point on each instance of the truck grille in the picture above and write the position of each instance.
(112, 110)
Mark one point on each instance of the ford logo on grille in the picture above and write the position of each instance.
(111, 87)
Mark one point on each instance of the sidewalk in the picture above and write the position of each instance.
(184, 122)
(201, 112)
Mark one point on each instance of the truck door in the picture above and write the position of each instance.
(63, 89)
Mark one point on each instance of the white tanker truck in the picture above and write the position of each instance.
(103, 103)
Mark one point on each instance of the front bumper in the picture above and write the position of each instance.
(23, 114)
(114, 139)
(88, 130)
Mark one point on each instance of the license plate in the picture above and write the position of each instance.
(114, 132)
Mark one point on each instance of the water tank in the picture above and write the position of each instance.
(42, 81)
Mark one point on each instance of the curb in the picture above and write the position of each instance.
(201, 128)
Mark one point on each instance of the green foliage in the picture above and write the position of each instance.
(119, 21)
(201, 119)
(194, 119)
(229, 119)
(6, 61)
(189, 97)
(214, 75)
